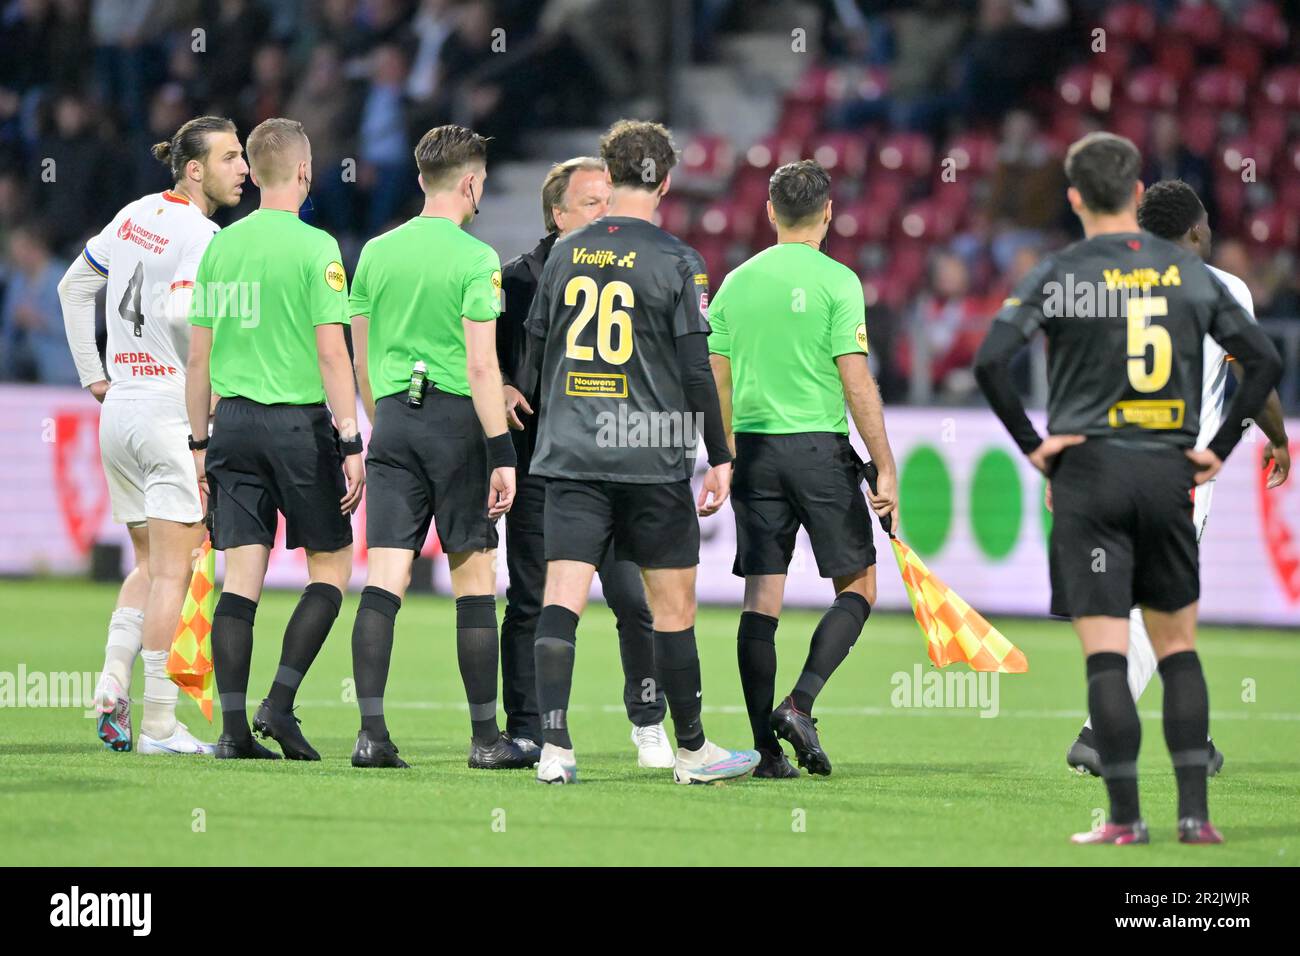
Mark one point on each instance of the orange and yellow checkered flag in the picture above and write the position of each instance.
(954, 631)
(190, 663)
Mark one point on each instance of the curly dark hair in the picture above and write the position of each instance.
(1169, 209)
(638, 154)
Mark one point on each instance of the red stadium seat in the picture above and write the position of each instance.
(773, 151)
(1152, 88)
(1177, 58)
(1131, 122)
(1086, 87)
(1281, 87)
(798, 122)
(861, 222)
(1243, 56)
(842, 154)
(1219, 88)
(674, 215)
(1273, 228)
(1116, 60)
(973, 154)
(1237, 151)
(1130, 21)
(909, 154)
(1201, 23)
(1270, 125)
(1263, 23)
(1200, 130)
(1229, 200)
(927, 221)
(708, 156)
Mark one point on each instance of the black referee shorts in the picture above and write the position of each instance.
(428, 465)
(265, 459)
(653, 526)
(810, 479)
(1122, 530)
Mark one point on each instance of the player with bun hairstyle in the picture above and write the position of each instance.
(148, 257)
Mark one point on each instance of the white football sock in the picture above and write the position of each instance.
(160, 694)
(125, 636)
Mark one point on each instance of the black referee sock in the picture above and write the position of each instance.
(1187, 724)
(553, 651)
(756, 652)
(636, 651)
(836, 633)
(679, 670)
(303, 639)
(476, 652)
(372, 649)
(232, 653)
(1117, 731)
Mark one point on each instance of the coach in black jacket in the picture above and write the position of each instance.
(575, 193)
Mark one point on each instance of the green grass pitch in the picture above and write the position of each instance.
(911, 785)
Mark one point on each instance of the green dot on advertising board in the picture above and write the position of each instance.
(1044, 514)
(925, 496)
(995, 504)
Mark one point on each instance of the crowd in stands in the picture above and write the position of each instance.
(943, 123)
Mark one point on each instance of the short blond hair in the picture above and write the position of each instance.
(273, 150)
(556, 184)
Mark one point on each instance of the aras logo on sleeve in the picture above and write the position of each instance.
(335, 277)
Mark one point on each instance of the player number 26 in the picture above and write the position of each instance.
(1141, 336)
(600, 302)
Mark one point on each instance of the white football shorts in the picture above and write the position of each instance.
(143, 443)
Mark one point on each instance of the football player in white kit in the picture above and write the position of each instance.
(1171, 210)
(148, 256)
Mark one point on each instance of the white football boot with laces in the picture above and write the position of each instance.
(181, 742)
(652, 747)
(557, 765)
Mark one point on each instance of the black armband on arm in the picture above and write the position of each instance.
(993, 373)
(701, 393)
(501, 452)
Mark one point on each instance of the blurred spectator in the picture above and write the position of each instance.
(383, 144)
(945, 325)
(76, 177)
(1015, 48)
(326, 105)
(268, 94)
(123, 31)
(168, 111)
(33, 347)
(1168, 158)
(234, 28)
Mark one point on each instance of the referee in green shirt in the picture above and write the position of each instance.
(268, 313)
(789, 346)
(425, 300)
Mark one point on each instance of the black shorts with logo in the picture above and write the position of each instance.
(653, 526)
(428, 465)
(1122, 530)
(265, 459)
(811, 479)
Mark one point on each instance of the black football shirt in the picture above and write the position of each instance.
(613, 299)
(1125, 315)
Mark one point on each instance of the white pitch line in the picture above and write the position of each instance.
(1285, 716)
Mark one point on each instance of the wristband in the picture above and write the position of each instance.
(351, 446)
(501, 451)
(196, 445)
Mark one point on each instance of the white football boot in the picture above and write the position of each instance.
(652, 747)
(181, 742)
(711, 763)
(557, 765)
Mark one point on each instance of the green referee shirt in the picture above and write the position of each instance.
(782, 318)
(263, 286)
(415, 283)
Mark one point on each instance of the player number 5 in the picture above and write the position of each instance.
(600, 302)
(1141, 335)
